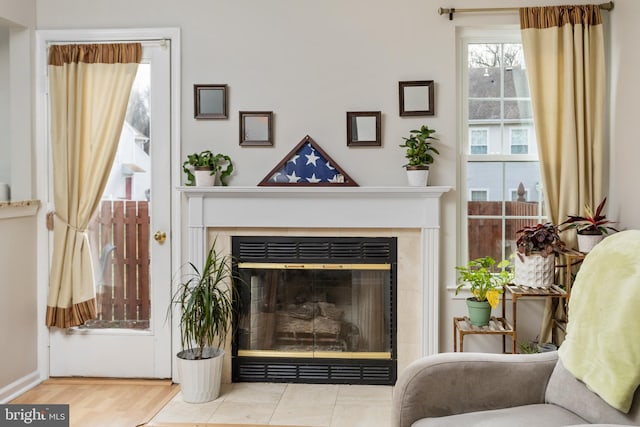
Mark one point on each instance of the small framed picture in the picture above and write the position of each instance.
(210, 101)
(417, 98)
(363, 129)
(256, 128)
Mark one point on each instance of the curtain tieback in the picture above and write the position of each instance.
(69, 226)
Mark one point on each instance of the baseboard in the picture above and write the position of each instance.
(18, 387)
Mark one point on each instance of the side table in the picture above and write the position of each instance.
(497, 326)
(517, 292)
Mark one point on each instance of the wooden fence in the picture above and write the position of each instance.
(120, 240)
(486, 233)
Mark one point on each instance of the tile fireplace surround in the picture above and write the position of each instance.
(412, 214)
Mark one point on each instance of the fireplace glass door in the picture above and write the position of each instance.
(315, 310)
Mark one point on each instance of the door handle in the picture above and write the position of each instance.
(160, 236)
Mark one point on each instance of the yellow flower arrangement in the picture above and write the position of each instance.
(482, 277)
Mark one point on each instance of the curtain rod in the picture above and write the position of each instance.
(450, 11)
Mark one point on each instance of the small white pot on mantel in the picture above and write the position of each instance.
(204, 177)
(417, 176)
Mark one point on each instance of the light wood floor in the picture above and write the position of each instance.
(104, 402)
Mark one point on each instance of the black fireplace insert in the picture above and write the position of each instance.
(315, 309)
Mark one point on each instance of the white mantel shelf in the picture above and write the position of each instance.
(321, 207)
(287, 207)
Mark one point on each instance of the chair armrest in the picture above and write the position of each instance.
(455, 383)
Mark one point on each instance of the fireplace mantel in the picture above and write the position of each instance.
(326, 207)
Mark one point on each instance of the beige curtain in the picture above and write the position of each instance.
(564, 52)
(89, 88)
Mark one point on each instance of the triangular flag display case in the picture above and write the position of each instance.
(307, 164)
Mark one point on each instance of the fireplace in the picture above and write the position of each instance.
(410, 215)
(315, 309)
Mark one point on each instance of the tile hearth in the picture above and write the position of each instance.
(308, 405)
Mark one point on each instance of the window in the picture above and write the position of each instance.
(519, 140)
(502, 168)
(479, 195)
(478, 141)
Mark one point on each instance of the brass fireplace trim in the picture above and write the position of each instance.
(317, 354)
(305, 266)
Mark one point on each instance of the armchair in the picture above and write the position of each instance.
(479, 389)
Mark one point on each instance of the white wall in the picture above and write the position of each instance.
(18, 261)
(18, 316)
(5, 136)
(310, 62)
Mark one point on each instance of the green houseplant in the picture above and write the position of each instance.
(590, 228)
(420, 154)
(202, 168)
(204, 298)
(485, 280)
(533, 265)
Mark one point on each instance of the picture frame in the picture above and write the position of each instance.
(364, 128)
(417, 98)
(210, 101)
(256, 128)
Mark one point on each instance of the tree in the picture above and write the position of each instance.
(138, 110)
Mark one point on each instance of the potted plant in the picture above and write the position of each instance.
(202, 168)
(535, 261)
(590, 228)
(204, 298)
(485, 279)
(419, 152)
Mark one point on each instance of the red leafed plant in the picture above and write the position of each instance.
(541, 238)
(591, 223)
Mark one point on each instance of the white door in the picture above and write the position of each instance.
(132, 336)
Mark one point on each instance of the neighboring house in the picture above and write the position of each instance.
(130, 174)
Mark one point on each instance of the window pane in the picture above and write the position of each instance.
(527, 174)
(484, 110)
(484, 70)
(503, 194)
(516, 84)
(517, 110)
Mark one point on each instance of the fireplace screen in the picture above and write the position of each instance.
(334, 312)
(315, 310)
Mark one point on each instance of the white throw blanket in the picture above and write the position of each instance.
(602, 347)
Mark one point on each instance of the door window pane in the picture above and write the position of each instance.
(119, 233)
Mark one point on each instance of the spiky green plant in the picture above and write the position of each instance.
(205, 300)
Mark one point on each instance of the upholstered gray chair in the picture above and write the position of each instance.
(478, 389)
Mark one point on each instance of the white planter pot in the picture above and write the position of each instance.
(586, 242)
(535, 271)
(200, 379)
(204, 178)
(417, 177)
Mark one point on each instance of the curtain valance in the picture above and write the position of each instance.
(557, 16)
(103, 53)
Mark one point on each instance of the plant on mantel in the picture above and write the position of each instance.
(211, 164)
(420, 154)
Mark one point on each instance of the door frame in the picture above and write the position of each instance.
(43, 166)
